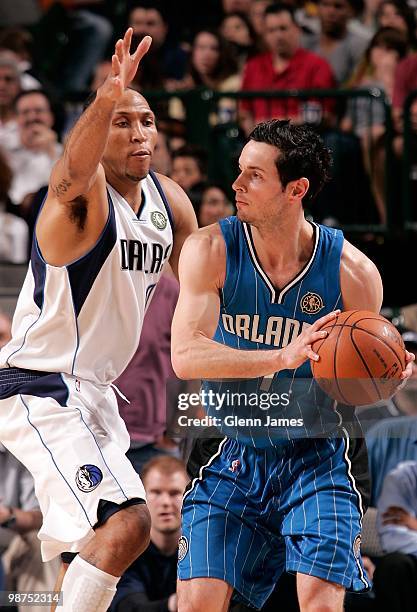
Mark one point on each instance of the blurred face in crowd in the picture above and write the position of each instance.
(235, 30)
(148, 21)
(236, 6)
(161, 159)
(164, 499)
(256, 15)
(9, 86)
(186, 172)
(132, 138)
(384, 59)
(205, 53)
(390, 17)
(34, 114)
(214, 206)
(281, 34)
(334, 15)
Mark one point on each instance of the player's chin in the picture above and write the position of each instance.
(137, 176)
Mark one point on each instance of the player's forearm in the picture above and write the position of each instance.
(201, 357)
(75, 171)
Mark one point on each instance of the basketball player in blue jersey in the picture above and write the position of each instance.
(106, 229)
(255, 281)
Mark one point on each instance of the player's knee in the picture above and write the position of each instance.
(128, 531)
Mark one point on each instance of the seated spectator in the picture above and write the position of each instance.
(161, 157)
(20, 519)
(213, 65)
(145, 378)
(20, 42)
(257, 14)
(237, 30)
(214, 206)
(285, 66)
(189, 170)
(236, 6)
(396, 14)
(395, 578)
(13, 229)
(377, 69)
(165, 59)
(340, 47)
(149, 584)
(9, 88)
(38, 149)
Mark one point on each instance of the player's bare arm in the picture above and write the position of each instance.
(202, 270)
(76, 208)
(185, 221)
(361, 287)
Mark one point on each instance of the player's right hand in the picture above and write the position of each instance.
(299, 350)
(124, 66)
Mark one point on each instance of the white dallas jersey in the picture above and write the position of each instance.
(85, 318)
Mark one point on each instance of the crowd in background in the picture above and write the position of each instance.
(52, 55)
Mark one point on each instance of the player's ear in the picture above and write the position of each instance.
(298, 189)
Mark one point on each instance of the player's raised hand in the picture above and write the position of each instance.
(124, 65)
(299, 350)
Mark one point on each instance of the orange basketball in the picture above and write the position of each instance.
(361, 359)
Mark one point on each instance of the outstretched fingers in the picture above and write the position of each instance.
(143, 48)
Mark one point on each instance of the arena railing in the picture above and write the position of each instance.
(409, 162)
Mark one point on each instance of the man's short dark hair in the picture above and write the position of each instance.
(30, 92)
(280, 7)
(196, 152)
(148, 5)
(301, 153)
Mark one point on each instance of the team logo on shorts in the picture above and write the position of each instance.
(357, 546)
(88, 477)
(159, 220)
(311, 303)
(182, 548)
(235, 466)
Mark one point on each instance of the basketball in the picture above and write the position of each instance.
(361, 360)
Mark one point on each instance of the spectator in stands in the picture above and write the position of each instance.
(87, 35)
(395, 578)
(9, 88)
(38, 148)
(340, 47)
(166, 59)
(214, 206)
(13, 229)
(376, 69)
(20, 518)
(149, 584)
(236, 6)
(256, 15)
(237, 30)
(161, 157)
(20, 42)
(405, 83)
(145, 378)
(396, 14)
(189, 170)
(285, 66)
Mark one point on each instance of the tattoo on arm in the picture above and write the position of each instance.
(61, 188)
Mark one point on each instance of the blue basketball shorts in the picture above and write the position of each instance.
(253, 513)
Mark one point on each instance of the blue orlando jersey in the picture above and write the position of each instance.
(256, 315)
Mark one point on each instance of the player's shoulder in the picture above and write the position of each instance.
(356, 262)
(207, 239)
(180, 204)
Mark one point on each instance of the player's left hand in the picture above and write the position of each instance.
(395, 515)
(410, 358)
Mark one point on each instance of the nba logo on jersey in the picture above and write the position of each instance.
(88, 477)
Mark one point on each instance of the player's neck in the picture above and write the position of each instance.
(294, 237)
(166, 543)
(130, 191)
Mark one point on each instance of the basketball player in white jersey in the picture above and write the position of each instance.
(103, 236)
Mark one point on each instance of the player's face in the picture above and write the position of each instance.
(132, 138)
(259, 192)
(164, 499)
